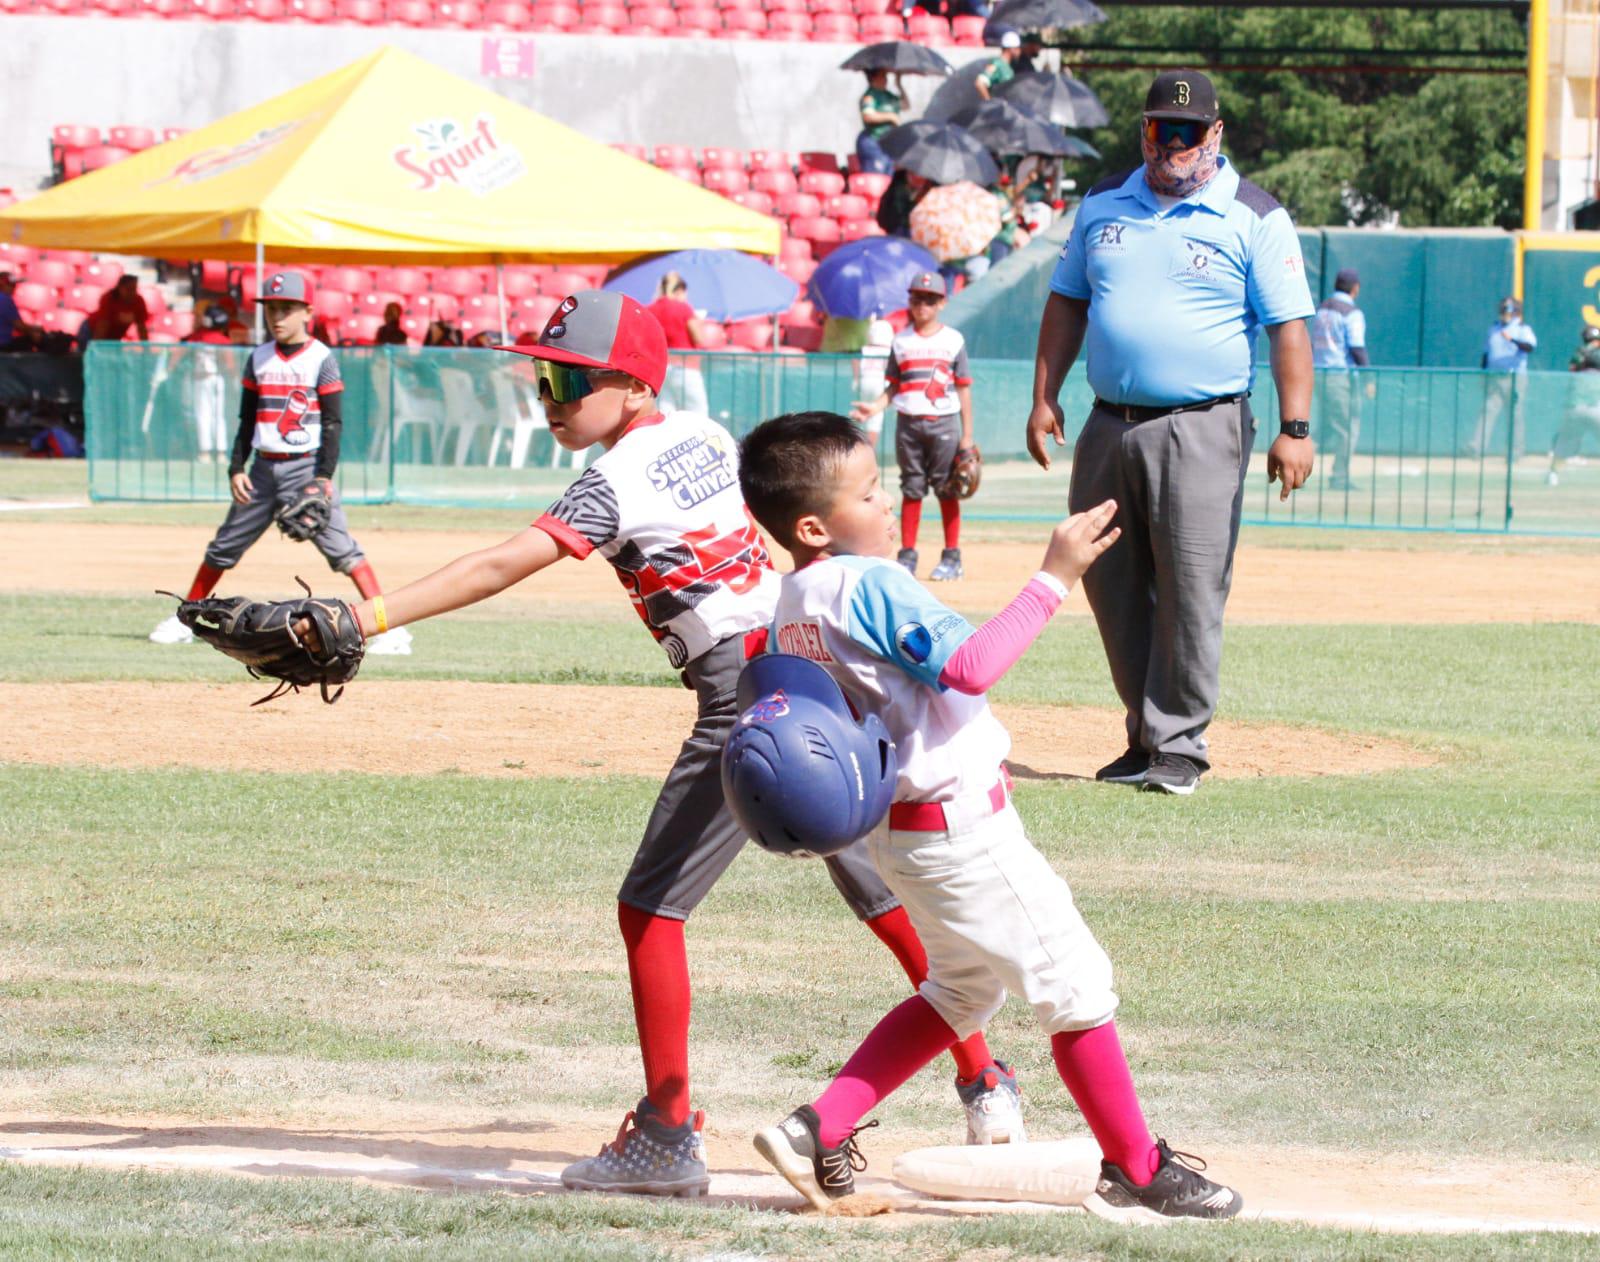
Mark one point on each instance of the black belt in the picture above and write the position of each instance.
(1132, 412)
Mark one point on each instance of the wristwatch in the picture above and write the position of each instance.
(1295, 429)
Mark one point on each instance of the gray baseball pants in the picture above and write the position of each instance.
(925, 447)
(1157, 593)
(277, 483)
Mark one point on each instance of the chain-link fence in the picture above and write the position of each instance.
(1398, 448)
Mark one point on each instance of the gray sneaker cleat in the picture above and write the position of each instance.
(646, 1157)
(1177, 1191)
(994, 1106)
(821, 1175)
(949, 566)
(908, 558)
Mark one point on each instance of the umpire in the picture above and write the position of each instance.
(1168, 273)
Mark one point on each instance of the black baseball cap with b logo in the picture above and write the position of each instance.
(1186, 94)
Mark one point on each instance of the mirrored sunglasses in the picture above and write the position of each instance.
(567, 384)
(1188, 132)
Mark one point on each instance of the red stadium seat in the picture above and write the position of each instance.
(97, 156)
(560, 284)
(314, 11)
(814, 160)
(102, 273)
(360, 330)
(112, 8)
(332, 305)
(262, 10)
(52, 272)
(822, 183)
(481, 307)
(786, 6)
(178, 324)
(612, 16)
(777, 182)
(754, 199)
(837, 28)
(416, 328)
(692, 174)
(655, 18)
(548, 15)
(845, 206)
(855, 229)
(770, 160)
(782, 24)
(74, 135)
(360, 12)
(698, 16)
(82, 297)
(78, 258)
(744, 21)
(794, 248)
(66, 320)
(154, 300)
(438, 306)
(15, 258)
(926, 28)
(673, 156)
(519, 282)
(411, 12)
(819, 7)
(729, 159)
(157, 8)
(725, 180)
(375, 300)
(788, 205)
(592, 274)
(875, 28)
(460, 282)
(534, 311)
(729, 6)
(507, 14)
(31, 296)
(468, 13)
(797, 269)
(967, 30)
(349, 280)
(868, 184)
(714, 335)
(752, 335)
(212, 10)
(405, 281)
(634, 151)
(817, 229)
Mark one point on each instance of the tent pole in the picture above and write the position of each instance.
(261, 279)
(500, 293)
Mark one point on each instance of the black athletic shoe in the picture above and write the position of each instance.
(821, 1175)
(908, 558)
(1172, 773)
(1129, 767)
(1178, 1191)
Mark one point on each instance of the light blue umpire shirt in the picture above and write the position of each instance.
(1501, 353)
(1177, 293)
(1338, 329)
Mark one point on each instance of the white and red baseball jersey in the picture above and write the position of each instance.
(288, 387)
(664, 507)
(885, 639)
(924, 372)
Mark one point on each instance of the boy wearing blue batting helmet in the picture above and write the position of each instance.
(993, 914)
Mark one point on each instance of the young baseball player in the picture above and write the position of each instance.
(290, 417)
(661, 504)
(992, 913)
(931, 387)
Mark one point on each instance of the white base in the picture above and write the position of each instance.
(1055, 1172)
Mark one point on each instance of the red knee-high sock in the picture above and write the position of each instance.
(950, 515)
(1092, 1065)
(365, 580)
(899, 1045)
(894, 930)
(205, 582)
(658, 967)
(910, 521)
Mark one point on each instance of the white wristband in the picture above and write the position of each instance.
(1053, 583)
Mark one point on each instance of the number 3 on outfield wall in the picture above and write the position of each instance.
(1591, 314)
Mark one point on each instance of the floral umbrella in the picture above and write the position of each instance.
(956, 221)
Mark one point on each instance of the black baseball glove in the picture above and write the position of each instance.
(966, 471)
(310, 513)
(262, 634)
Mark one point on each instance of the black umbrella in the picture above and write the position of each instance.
(899, 56)
(1005, 129)
(1061, 99)
(956, 93)
(1041, 15)
(939, 152)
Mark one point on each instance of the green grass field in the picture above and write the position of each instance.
(1400, 964)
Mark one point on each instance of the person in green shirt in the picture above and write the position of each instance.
(1002, 69)
(1583, 408)
(882, 108)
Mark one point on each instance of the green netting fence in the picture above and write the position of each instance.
(463, 427)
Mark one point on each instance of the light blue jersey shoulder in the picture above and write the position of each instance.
(892, 615)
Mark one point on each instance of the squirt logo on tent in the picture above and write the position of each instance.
(445, 154)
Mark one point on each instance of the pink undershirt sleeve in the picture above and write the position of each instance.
(994, 648)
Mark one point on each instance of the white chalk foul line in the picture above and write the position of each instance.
(30, 506)
(724, 1185)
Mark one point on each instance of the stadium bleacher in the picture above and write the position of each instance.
(819, 201)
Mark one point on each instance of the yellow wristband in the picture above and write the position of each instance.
(380, 614)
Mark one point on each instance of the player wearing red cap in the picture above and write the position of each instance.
(662, 505)
(290, 418)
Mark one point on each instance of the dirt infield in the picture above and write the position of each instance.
(401, 727)
(1272, 585)
(525, 1157)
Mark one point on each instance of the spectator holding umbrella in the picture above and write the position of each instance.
(882, 108)
(1002, 69)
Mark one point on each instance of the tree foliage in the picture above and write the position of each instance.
(1426, 149)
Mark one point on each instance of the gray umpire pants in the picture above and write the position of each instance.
(276, 484)
(1157, 593)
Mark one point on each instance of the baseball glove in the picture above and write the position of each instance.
(262, 635)
(966, 471)
(310, 513)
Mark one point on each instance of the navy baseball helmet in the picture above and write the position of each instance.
(802, 774)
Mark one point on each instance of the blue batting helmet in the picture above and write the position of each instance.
(802, 774)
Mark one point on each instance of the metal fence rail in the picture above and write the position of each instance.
(464, 427)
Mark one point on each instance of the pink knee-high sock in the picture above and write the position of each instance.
(899, 1045)
(1092, 1065)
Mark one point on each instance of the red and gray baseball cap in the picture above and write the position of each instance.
(286, 287)
(600, 329)
(928, 283)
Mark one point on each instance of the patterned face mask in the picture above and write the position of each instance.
(1177, 174)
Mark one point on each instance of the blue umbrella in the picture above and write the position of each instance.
(866, 278)
(725, 284)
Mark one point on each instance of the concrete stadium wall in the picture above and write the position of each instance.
(746, 94)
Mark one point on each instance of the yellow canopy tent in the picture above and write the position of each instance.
(389, 159)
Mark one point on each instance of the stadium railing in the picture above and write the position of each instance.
(462, 427)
